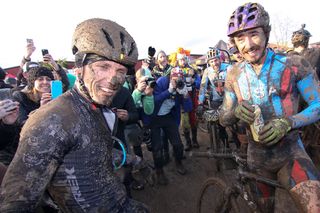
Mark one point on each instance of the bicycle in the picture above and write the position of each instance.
(217, 134)
(203, 124)
(217, 195)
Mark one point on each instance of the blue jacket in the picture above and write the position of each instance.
(161, 93)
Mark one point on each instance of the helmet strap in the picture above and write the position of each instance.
(84, 90)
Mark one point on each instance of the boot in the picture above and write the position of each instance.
(195, 143)
(161, 178)
(180, 168)
(188, 140)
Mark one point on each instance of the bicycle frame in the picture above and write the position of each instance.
(241, 187)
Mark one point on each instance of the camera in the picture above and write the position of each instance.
(180, 84)
(151, 82)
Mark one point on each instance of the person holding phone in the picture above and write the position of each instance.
(32, 97)
(66, 146)
(9, 111)
(58, 72)
(37, 93)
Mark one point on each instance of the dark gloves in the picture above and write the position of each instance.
(245, 112)
(274, 131)
(151, 51)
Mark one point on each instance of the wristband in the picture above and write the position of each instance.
(26, 60)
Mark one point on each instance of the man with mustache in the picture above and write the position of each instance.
(66, 147)
(274, 83)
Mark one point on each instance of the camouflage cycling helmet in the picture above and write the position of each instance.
(301, 37)
(248, 16)
(107, 39)
(213, 53)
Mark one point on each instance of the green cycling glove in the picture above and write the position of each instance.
(245, 112)
(274, 131)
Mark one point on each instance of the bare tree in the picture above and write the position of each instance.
(282, 28)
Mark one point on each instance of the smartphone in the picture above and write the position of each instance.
(44, 52)
(56, 89)
(29, 41)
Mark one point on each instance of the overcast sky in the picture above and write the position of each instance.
(164, 24)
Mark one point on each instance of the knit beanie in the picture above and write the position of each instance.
(37, 72)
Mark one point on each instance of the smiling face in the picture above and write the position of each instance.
(103, 79)
(162, 59)
(42, 84)
(251, 44)
(215, 63)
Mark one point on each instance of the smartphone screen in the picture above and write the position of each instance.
(56, 89)
(44, 52)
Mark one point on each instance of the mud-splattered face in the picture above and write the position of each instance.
(103, 79)
(215, 63)
(251, 44)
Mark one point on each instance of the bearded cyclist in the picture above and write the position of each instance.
(213, 78)
(212, 81)
(274, 83)
(66, 147)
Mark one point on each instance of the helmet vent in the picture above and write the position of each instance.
(74, 49)
(132, 47)
(241, 9)
(239, 19)
(122, 36)
(251, 17)
(108, 38)
(252, 9)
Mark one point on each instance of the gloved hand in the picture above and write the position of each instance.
(183, 91)
(245, 112)
(274, 131)
(151, 51)
(199, 111)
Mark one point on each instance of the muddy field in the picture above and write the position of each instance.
(180, 194)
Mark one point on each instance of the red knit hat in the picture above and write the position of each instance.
(176, 72)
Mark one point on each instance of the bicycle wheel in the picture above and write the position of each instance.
(215, 196)
(214, 140)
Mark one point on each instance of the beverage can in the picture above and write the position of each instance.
(257, 124)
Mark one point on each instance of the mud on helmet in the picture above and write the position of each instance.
(101, 39)
(248, 16)
(104, 38)
(301, 37)
(213, 53)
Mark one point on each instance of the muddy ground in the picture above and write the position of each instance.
(180, 194)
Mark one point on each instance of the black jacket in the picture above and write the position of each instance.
(124, 100)
(65, 147)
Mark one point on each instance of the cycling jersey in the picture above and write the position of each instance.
(282, 80)
(66, 148)
(211, 76)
